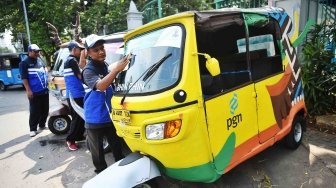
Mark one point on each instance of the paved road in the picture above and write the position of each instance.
(44, 161)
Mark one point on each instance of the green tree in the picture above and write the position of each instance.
(58, 12)
(170, 7)
(11, 17)
(96, 16)
(319, 79)
(104, 15)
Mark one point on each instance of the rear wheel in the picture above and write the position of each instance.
(294, 138)
(59, 124)
(3, 87)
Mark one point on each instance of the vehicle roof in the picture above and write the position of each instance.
(224, 11)
(12, 54)
(64, 45)
(203, 16)
(115, 36)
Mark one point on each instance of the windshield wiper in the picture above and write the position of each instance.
(150, 71)
(155, 67)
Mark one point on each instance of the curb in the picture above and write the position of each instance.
(325, 124)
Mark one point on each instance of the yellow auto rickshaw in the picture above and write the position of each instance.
(205, 91)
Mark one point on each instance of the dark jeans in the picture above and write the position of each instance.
(95, 137)
(77, 128)
(39, 109)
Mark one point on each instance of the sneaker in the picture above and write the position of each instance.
(72, 146)
(32, 133)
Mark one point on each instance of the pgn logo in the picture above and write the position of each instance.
(233, 103)
(234, 121)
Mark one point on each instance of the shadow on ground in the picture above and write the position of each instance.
(275, 167)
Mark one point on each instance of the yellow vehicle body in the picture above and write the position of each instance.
(217, 131)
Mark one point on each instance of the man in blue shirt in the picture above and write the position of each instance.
(34, 76)
(75, 90)
(97, 103)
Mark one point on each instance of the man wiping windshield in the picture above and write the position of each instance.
(97, 103)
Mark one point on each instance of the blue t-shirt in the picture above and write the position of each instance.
(74, 85)
(97, 104)
(34, 71)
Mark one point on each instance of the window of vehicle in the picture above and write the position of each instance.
(114, 51)
(7, 63)
(155, 63)
(264, 34)
(10, 62)
(218, 36)
(61, 59)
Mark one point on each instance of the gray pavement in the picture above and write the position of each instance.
(44, 161)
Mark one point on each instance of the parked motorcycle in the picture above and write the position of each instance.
(59, 116)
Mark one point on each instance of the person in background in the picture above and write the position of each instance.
(97, 103)
(75, 90)
(34, 76)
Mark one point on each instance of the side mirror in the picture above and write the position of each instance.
(211, 64)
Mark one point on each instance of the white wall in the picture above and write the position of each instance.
(6, 41)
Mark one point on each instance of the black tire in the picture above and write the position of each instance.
(107, 147)
(294, 138)
(59, 124)
(3, 87)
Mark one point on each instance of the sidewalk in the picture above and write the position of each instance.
(325, 123)
(320, 140)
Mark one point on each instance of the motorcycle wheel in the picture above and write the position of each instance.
(59, 124)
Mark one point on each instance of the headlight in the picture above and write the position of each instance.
(159, 131)
(155, 131)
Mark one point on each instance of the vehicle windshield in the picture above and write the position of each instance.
(148, 50)
(114, 51)
(61, 59)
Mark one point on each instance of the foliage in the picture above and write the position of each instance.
(5, 50)
(111, 15)
(97, 16)
(319, 78)
(57, 12)
(241, 4)
(170, 7)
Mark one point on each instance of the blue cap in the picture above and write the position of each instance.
(92, 39)
(74, 44)
(33, 47)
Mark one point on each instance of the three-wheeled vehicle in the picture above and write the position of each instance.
(9, 69)
(204, 92)
(59, 116)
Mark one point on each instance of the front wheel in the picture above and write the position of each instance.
(59, 124)
(294, 138)
(3, 87)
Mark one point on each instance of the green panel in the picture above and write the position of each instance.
(303, 35)
(208, 172)
(203, 173)
(255, 19)
(225, 155)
